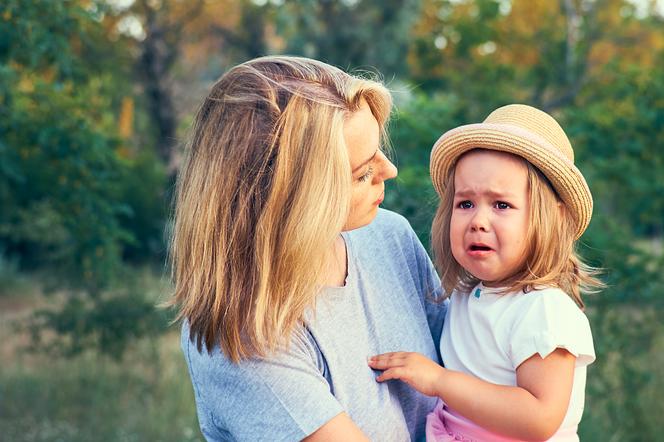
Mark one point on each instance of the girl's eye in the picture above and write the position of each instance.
(367, 175)
(502, 205)
(465, 205)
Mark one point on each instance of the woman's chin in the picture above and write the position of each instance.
(356, 223)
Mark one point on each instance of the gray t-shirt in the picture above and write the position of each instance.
(383, 307)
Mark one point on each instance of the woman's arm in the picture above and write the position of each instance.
(339, 428)
(533, 410)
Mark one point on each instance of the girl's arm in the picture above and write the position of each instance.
(533, 410)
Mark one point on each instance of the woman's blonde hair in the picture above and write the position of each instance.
(550, 258)
(262, 195)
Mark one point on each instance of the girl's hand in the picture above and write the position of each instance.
(418, 371)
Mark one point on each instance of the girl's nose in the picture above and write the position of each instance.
(479, 222)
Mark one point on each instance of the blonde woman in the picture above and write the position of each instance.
(287, 274)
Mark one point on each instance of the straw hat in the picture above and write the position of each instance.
(529, 133)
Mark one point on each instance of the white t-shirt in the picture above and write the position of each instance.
(489, 335)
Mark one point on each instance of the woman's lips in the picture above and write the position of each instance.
(380, 199)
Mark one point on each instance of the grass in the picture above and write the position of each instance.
(94, 398)
(146, 396)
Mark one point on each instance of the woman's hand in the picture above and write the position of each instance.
(418, 371)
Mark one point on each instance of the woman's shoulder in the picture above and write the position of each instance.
(300, 346)
(386, 225)
(388, 219)
(388, 233)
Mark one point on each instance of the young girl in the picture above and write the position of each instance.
(515, 342)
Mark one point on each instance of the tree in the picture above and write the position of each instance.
(63, 173)
(59, 173)
(172, 43)
(350, 34)
(537, 52)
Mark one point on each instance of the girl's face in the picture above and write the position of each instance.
(490, 215)
(370, 167)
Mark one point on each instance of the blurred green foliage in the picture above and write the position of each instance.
(369, 34)
(72, 203)
(84, 201)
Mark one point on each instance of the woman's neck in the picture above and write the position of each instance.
(337, 264)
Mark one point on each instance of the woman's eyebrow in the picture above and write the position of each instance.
(365, 162)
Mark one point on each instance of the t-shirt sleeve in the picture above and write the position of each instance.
(549, 320)
(281, 398)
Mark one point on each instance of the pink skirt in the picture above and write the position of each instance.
(444, 425)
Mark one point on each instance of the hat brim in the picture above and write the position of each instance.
(565, 177)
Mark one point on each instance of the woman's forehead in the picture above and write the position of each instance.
(362, 135)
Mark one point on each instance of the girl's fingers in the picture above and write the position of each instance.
(382, 362)
(385, 355)
(389, 356)
(392, 373)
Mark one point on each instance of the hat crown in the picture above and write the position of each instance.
(534, 121)
(526, 132)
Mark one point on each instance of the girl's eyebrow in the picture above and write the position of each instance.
(365, 162)
(492, 193)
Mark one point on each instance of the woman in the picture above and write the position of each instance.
(287, 274)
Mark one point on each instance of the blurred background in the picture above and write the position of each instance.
(96, 98)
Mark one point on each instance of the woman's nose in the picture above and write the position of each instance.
(387, 169)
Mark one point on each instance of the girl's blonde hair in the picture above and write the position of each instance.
(263, 193)
(551, 258)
